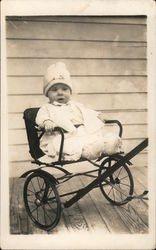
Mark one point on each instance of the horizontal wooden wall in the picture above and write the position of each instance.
(106, 57)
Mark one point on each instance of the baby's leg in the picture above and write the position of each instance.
(96, 145)
(112, 144)
(92, 148)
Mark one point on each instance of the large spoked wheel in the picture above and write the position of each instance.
(119, 186)
(42, 201)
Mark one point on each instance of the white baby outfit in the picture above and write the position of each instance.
(88, 140)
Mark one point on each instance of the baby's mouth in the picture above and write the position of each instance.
(60, 99)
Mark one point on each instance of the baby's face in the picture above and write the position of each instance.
(59, 93)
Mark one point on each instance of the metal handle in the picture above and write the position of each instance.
(118, 123)
(60, 130)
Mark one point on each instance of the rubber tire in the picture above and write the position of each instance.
(53, 186)
(130, 179)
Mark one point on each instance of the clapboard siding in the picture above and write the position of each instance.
(18, 168)
(95, 84)
(106, 57)
(96, 101)
(76, 31)
(78, 67)
(129, 131)
(77, 49)
(116, 101)
(126, 117)
(20, 152)
(131, 20)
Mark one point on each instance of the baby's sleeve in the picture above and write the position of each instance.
(42, 115)
(93, 112)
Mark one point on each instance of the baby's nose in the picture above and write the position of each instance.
(60, 91)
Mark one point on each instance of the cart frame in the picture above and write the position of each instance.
(105, 174)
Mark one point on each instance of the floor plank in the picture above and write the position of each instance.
(107, 212)
(140, 181)
(88, 208)
(91, 213)
(132, 219)
(135, 213)
(15, 209)
(141, 174)
(73, 216)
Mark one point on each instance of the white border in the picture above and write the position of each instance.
(82, 240)
(80, 7)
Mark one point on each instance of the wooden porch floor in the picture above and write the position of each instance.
(92, 212)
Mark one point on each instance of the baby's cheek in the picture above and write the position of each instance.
(52, 99)
(69, 94)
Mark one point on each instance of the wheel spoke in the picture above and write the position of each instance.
(124, 184)
(30, 194)
(38, 182)
(120, 191)
(113, 194)
(108, 182)
(33, 186)
(37, 214)
(116, 189)
(46, 214)
(110, 190)
(54, 210)
(52, 199)
(46, 190)
(115, 175)
(120, 171)
(50, 192)
(120, 182)
(121, 194)
(30, 191)
(34, 209)
(30, 201)
(42, 201)
(43, 185)
(123, 177)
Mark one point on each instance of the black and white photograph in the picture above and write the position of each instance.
(78, 125)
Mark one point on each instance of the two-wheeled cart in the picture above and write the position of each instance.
(41, 197)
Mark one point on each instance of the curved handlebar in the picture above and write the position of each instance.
(60, 130)
(118, 123)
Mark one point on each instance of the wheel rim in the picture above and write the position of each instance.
(42, 201)
(118, 186)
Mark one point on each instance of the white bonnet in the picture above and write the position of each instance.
(56, 73)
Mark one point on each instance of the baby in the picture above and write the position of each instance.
(85, 134)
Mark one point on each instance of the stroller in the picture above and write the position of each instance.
(41, 197)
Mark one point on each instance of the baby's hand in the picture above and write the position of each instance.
(49, 125)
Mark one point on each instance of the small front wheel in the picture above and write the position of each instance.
(42, 201)
(118, 186)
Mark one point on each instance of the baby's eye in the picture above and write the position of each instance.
(65, 88)
(53, 89)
